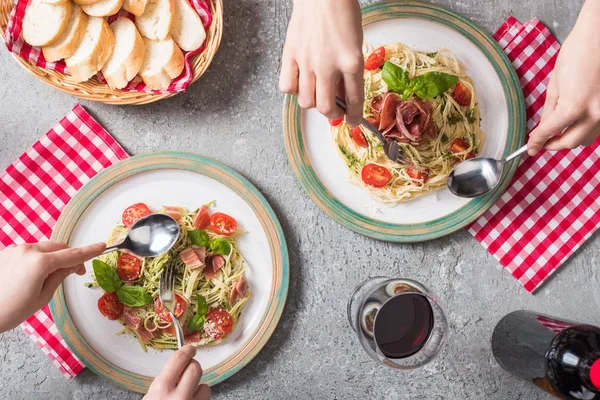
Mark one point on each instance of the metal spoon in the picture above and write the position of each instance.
(151, 236)
(478, 176)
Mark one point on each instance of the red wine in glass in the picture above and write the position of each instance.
(398, 321)
(403, 325)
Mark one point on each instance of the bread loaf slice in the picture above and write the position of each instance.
(103, 8)
(127, 56)
(93, 51)
(84, 2)
(44, 23)
(163, 61)
(155, 22)
(136, 7)
(186, 28)
(66, 44)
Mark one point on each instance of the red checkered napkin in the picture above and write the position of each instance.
(33, 192)
(16, 44)
(552, 205)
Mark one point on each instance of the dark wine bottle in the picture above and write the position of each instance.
(560, 357)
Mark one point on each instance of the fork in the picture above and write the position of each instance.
(166, 294)
(390, 147)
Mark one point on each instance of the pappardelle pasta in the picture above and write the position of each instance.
(427, 104)
(210, 286)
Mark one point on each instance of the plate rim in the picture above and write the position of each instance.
(170, 160)
(409, 233)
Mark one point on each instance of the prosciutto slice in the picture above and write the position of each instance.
(404, 121)
(238, 291)
(190, 258)
(173, 212)
(213, 264)
(131, 320)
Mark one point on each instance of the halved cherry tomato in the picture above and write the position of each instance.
(336, 122)
(375, 175)
(376, 59)
(462, 94)
(418, 176)
(202, 219)
(218, 324)
(180, 305)
(459, 146)
(222, 224)
(128, 267)
(359, 137)
(134, 213)
(110, 306)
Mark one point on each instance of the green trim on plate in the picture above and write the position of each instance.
(458, 219)
(212, 169)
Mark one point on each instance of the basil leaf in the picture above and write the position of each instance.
(220, 246)
(199, 238)
(394, 77)
(202, 305)
(432, 84)
(134, 296)
(196, 322)
(106, 276)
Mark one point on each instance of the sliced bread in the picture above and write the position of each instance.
(93, 51)
(54, 1)
(103, 8)
(66, 44)
(163, 61)
(44, 22)
(127, 56)
(155, 22)
(186, 28)
(84, 2)
(136, 7)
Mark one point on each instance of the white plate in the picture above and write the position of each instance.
(190, 189)
(423, 27)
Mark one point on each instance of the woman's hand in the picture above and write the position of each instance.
(573, 98)
(179, 379)
(323, 57)
(30, 274)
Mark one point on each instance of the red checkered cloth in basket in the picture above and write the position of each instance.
(34, 190)
(552, 205)
(16, 44)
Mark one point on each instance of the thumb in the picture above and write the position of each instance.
(555, 122)
(53, 280)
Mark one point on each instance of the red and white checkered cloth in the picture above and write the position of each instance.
(16, 44)
(553, 203)
(33, 192)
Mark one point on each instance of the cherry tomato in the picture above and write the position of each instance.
(222, 224)
(134, 213)
(459, 146)
(462, 94)
(128, 267)
(359, 137)
(218, 324)
(376, 59)
(336, 122)
(418, 176)
(180, 305)
(375, 175)
(110, 306)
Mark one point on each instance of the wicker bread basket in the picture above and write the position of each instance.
(98, 91)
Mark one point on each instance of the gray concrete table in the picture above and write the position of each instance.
(233, 115)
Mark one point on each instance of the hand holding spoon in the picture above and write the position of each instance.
(478, 176)
(151, 236)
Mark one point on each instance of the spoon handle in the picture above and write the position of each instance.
(112, 248)
(516, 153)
